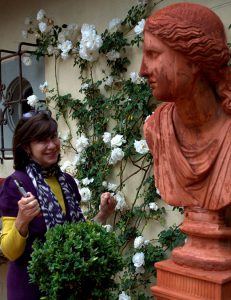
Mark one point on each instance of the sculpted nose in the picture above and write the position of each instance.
(143, 69)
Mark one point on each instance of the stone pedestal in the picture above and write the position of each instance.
(201, 269)
(175, 282)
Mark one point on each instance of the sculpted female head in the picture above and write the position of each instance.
(185, 59)
(197, 33)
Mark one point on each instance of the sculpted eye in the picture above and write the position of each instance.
(153, 54)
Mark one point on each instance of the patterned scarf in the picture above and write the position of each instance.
(51, 210)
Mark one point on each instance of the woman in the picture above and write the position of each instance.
(185, 59)
(51, 198)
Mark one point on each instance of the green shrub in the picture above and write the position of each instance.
(76, 261)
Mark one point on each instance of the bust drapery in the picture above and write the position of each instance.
(185, 59)
(190, 175)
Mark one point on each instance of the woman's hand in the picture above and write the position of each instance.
(107, 207)
(28, 208)
(107, 204)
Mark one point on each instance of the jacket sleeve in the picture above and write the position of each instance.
(12, 243)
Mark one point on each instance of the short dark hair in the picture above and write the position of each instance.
(35, 128)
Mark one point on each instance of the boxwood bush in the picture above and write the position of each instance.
(76, 261)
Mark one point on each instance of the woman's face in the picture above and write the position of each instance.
(45, 152)
(169, 73)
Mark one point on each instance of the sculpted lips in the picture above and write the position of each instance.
(152, 84)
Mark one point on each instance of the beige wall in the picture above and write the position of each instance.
(12, 15)
(98, 12)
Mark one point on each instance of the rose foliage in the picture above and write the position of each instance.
(105, 140)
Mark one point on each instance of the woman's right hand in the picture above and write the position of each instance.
(28, 208)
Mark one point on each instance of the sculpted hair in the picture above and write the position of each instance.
(36, 128)
(198, 33)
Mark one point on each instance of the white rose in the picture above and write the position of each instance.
(111, 186)
(107, 137)
(44, 87)
(139, 242)
(50, 49)
(124, 296)
(117, 154)
(120, 199)
(87, 30)
(90, 39)
(113, 55)
(65, 46)
(42, 26)
(85, 86)
(88, 55)
(81, 143)
(79, 159)
(65, 165)
(61, 37)
(109, 81)
(68, 167)
(32, 100)
(141, 146)
(87, 181)
(65, 136)
(138, 259)
(139, 28)
(26, 59)
(104, 184)
(85, 194)
(117, 141)
(135, 78)
(108, 227)
(90, 43)
(153, 206)
(64, 55)
(41, 14)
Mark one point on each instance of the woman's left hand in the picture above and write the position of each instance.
(107, 207)
(107, 204)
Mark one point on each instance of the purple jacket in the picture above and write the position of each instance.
(18, 286)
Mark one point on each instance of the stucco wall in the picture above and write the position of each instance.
(12, 17)
(98, 12)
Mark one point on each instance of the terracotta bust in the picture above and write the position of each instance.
(185, 59)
